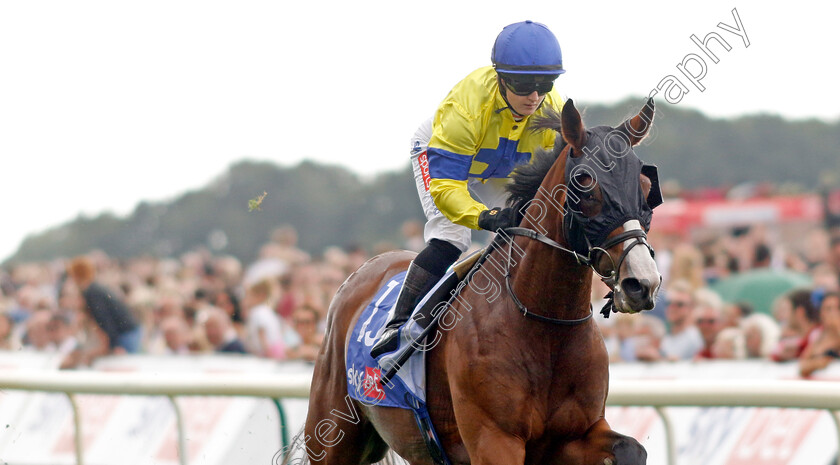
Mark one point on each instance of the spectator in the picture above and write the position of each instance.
(762, 256)
(69, 298)
(170, 304)
(761, 335)
(734, 313)
(718, 262)
(824, 277)
(800, 327)
(61, 335)
(815, 251)
(648, 339)
(116, 328)
(229, 302)
(37, 335)
(683, 340)
(687, 265)
(264, 329)
(742, 247)
(176, 333)
(220, 332)
(708, 312)
(834, 253)
(28, 299)
(729, 344)
(621, 344)
(283, 246)
(305, 321)
(199, 304)
(825, 346)
(782, 312)
(288, 297)
(7, 327)
(308, 285)
(331, 279)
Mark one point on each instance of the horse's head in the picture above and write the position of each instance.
(604, 196)
(610, 195)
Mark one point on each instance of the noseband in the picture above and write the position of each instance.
(638, 236)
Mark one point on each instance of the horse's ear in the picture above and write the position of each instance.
(638, 126)
(572, 128)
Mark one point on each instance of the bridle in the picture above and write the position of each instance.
(637, 235)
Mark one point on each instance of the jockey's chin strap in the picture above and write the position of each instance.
(611, 279)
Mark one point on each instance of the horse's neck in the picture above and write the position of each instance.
(547, 280)
(550, 282)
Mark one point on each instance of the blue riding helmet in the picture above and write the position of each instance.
(527, 48)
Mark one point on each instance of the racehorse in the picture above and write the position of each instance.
(504, 388)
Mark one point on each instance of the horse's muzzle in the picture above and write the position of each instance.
(639, 294)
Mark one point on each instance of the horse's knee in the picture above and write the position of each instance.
(627, 451)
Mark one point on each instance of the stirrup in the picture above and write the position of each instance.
(388, 342)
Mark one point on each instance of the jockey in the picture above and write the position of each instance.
(462, 158)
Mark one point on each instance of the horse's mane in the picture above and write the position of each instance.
(528, 178)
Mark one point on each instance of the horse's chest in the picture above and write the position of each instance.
(576, 411)
(577, 389)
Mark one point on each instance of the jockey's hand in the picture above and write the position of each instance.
(497, 218)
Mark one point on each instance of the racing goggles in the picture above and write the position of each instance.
(523, 88)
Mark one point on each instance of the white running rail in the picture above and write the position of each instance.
(823, 395)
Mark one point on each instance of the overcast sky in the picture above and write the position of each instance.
(104, 104)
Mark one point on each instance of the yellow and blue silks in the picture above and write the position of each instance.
(474, 135)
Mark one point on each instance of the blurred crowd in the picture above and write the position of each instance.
(691, 321)
(275, 307)
(94, 305)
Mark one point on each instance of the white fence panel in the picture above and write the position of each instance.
(700, 414)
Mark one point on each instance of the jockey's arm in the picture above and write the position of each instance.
(455, 202)
(454, 142)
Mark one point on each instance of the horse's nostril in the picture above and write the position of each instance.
(634, 288)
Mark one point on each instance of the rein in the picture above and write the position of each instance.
(640, 236)
(637, 234)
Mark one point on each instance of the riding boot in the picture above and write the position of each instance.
(417, 283)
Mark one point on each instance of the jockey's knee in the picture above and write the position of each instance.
(437, 256)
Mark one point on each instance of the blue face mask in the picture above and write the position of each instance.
(610, 161)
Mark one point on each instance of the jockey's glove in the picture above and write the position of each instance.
(497, 218)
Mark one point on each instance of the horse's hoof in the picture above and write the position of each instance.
(628, 451)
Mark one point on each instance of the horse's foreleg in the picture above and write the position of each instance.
(602, 446)
(486, 444)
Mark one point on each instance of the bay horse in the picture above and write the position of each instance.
(503, 388)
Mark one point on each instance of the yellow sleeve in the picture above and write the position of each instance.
(450, 156)
(455, 202)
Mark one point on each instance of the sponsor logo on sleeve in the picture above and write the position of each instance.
(423, 159)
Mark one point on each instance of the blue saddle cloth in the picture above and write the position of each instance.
(363, 372)
(407, 389)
